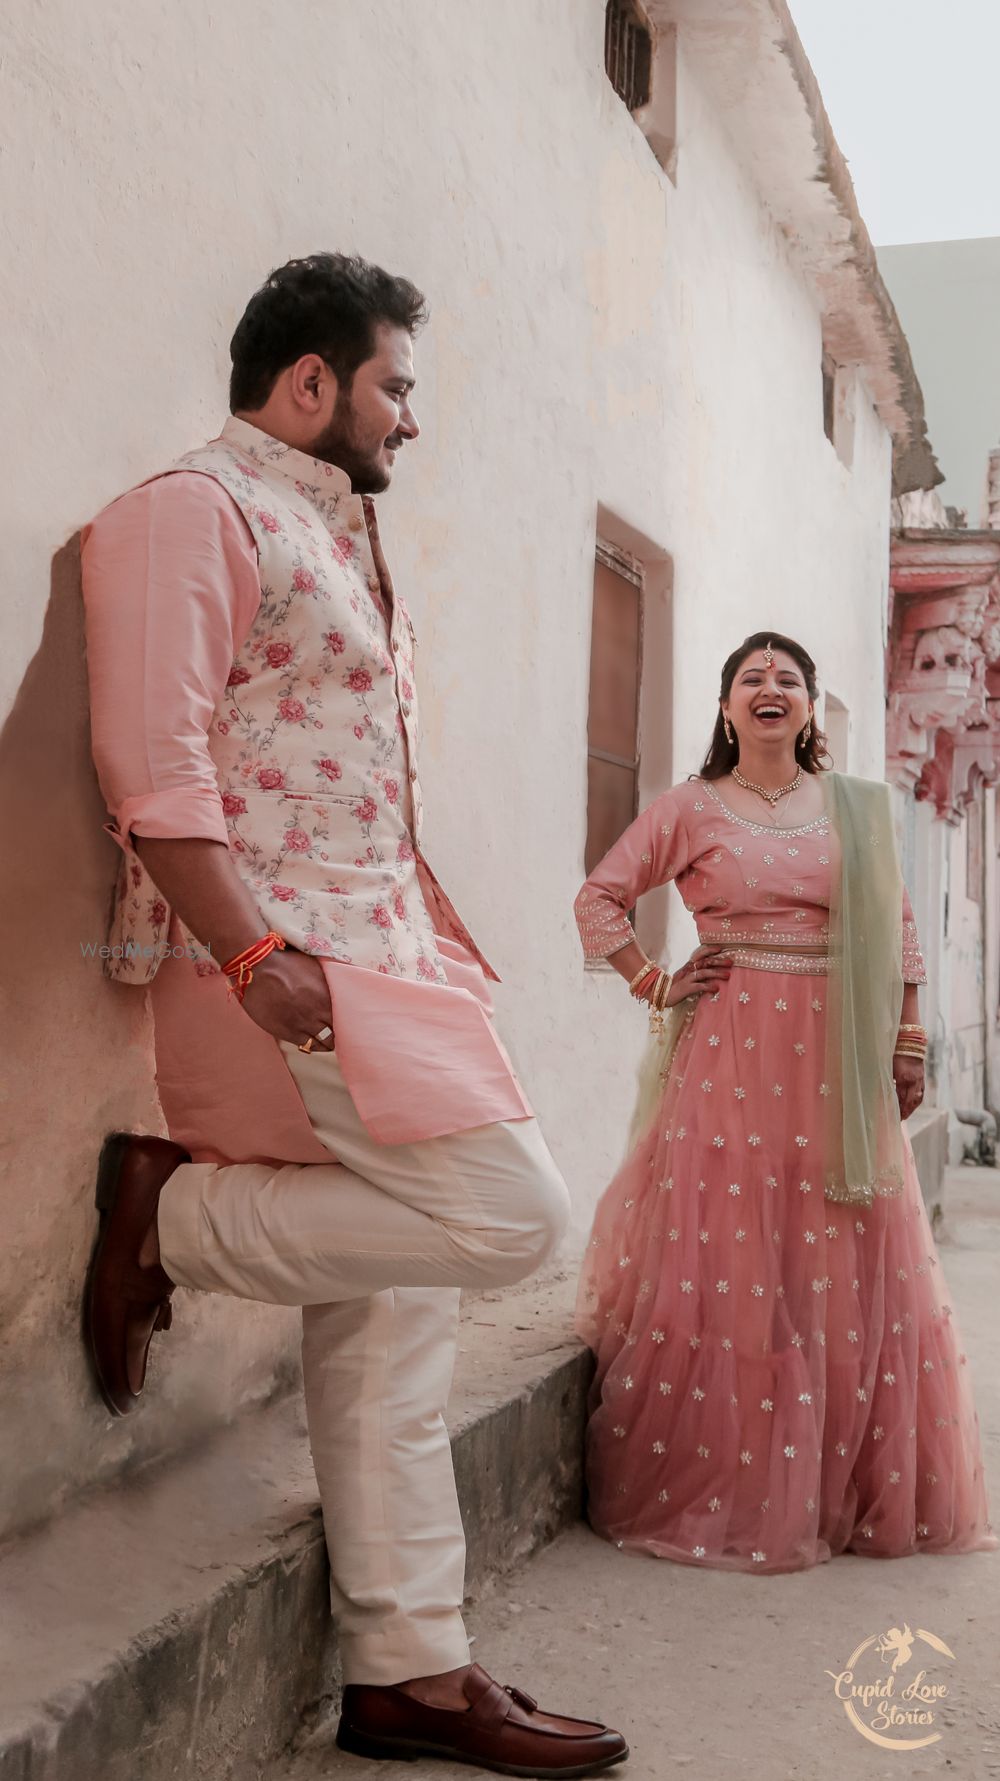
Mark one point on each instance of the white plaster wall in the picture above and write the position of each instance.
(598, 335)
(931, 864)
(925, 868)
(965, 1007)
(960, 945)
(764, 523)
(991, 945)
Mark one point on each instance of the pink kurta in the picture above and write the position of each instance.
(779, 1377)
(172, 589)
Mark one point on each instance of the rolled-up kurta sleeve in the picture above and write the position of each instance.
(914, 969)
(652, 850)
(170, 590)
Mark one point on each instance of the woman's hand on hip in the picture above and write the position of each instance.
(706, 970)
(908, 1075)
(290, 999)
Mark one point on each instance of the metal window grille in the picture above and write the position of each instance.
(628, 53)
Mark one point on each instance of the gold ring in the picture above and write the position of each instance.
(307, 1047)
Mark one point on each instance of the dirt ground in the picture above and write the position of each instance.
(725, 1676)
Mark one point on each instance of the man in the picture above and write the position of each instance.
(255, 728)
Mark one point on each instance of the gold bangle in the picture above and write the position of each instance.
(640, 974)
(911, 1026)
(908, 1051)
(663, 990)
(642, 994)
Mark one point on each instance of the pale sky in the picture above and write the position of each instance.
(912, 88)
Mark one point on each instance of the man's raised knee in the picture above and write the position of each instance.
(540, 1225)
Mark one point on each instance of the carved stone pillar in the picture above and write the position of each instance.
(942, 737)
(993, 490)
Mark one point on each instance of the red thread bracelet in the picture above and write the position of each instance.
(240, 966)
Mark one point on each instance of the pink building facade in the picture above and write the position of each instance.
(943, 755)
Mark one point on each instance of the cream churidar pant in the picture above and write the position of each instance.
(375, 1248)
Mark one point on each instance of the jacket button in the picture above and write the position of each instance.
(413, 773)
(355, 523)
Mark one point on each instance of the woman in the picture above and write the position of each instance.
(779, 1374)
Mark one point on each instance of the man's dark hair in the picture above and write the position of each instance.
(330, 304)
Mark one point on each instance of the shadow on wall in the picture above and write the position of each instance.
(78, 1062)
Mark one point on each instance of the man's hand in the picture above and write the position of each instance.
(908, 1075)
(289, 998)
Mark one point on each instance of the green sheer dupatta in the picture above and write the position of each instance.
(655, 1067)
(864, 996)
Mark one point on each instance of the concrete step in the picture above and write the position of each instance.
(720, 1674)
(178, 1625)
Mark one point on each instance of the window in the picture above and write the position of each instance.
(839, 398)
(613, 719)
(829, 376)
(642, 68)
(628, 53)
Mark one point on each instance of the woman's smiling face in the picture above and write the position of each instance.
(768, 700)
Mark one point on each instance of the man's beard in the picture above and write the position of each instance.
(338, 445)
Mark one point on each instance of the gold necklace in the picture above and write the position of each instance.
(772, 798)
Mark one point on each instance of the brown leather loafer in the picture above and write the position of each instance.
(501, 1729)
(125, 1304)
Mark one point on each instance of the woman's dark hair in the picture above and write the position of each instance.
(330, 304)
(812, 756)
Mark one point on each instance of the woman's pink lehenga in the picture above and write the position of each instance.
(780, 1377)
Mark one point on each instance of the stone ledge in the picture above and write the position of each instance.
(178, 1624)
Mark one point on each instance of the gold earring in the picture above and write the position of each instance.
(807, 732)
(726, 727)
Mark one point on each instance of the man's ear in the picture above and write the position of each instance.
(311, 383)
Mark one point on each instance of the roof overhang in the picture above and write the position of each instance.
(748, 55)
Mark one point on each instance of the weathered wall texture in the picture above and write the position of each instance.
(598, 335)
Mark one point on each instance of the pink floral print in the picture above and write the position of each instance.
(324, 657)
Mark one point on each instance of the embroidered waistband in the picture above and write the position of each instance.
(800, 960)
(818, 940)
(751, 958)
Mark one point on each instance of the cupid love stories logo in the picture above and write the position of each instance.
(887, 1696)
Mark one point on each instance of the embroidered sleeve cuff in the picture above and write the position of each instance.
(604, 926)
(181, 814)
(914, 968)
